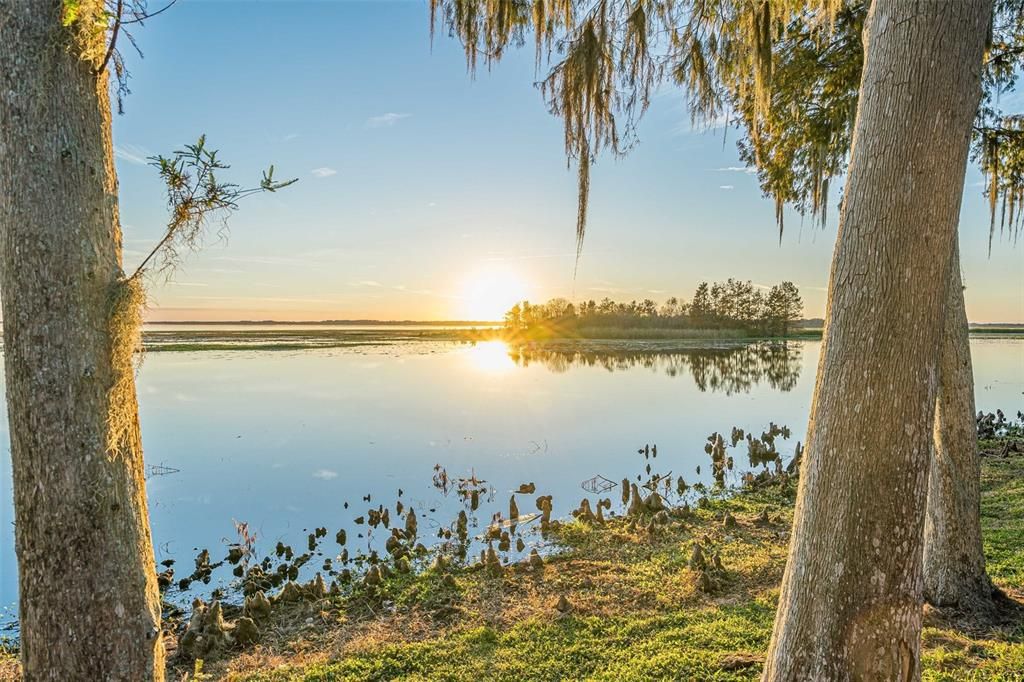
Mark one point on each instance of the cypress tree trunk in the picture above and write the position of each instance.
(89, 606)
(954, 562)
(850, 605)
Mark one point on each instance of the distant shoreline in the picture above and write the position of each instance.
(332, 323)
(293, 337)
(807, 325)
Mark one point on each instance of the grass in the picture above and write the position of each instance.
(286, 339)
(637, 613)
(1002, 516)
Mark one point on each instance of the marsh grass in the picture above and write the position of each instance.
(271, 339)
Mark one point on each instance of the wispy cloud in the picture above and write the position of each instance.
(498, 256)
(690, 127)
(289, 137)
(132, 153)
(367, 283)
(323, 172)
(749, 170)
(262, 260)
(262, 299)
(325, 474)
(726, 187)
(385, 120)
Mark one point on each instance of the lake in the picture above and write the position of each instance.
(283, 439)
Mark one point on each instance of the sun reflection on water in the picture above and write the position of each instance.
(491, 357)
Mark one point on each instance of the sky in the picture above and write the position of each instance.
(426, 194)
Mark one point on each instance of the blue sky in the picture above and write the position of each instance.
(425, 194)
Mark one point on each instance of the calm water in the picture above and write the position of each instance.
(282, 440)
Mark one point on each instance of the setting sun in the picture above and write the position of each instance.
(488, 293)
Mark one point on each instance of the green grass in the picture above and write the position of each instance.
(1002, 517)
(677, 645)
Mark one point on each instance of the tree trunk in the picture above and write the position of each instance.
(850, 605)
(89, 606)
(954, 562)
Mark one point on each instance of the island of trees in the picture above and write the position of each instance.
(731, 305)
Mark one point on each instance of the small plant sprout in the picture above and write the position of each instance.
(196, 197)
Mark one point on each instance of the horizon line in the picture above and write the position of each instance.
(356, 321)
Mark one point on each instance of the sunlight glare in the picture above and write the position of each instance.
(491, 357)
(488, 294)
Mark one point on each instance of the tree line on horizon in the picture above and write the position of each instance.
(733, 304)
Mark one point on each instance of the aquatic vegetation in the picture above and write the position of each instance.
(691, 597)
(996, 425)
(498, 546)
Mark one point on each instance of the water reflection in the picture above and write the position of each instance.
(491, 357)
(727, 369)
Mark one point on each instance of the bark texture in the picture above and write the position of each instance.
(954, 561)
(850, 605)
(89, 606)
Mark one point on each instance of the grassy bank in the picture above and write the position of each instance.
(622, 601)
(633, 608)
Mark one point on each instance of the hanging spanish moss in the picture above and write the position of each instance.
(601, 83)
(786, 72)
(128, 300)
(1000, 152)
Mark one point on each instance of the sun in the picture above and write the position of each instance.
(488, 293)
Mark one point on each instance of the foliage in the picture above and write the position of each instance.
(800, 142)
(998, 141)
(733, 304)
(599, 83)
(195, 197)
(96, 26)
(996, 425)
(786, 72)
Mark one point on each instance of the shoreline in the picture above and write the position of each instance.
(675, 593)
(611, 342)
